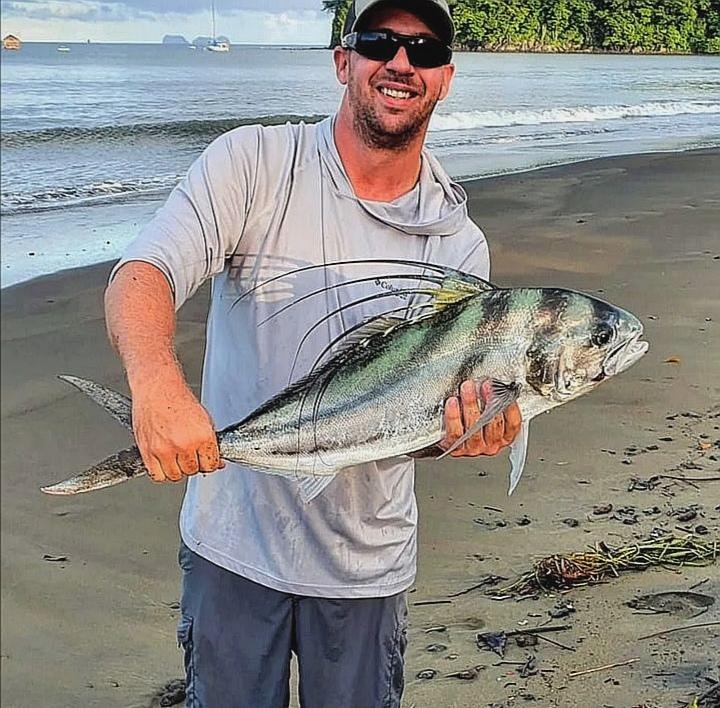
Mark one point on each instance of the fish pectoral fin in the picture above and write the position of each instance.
(518, 454)
(311, 487)
(501, 397)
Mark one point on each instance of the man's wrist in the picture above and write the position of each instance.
(163, 370)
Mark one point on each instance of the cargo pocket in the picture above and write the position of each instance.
(185, 640)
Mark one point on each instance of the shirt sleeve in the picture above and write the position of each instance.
(201, 223)
(477, 261)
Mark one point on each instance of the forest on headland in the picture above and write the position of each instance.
(634, 26)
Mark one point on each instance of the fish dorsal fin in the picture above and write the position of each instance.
(381, 326)
(473, 284)
(456, 288)
(438, 270)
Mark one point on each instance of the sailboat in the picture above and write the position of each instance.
(214, 45)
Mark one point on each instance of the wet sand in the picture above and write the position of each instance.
(90, 583)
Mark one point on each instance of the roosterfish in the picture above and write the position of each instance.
(538, 347)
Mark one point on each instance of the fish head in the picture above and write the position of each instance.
(590, 341)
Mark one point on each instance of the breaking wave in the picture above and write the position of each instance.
(469, 120)
(101, 192)
(203, 130)
(452, 130)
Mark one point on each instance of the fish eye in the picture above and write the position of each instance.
(602, 335)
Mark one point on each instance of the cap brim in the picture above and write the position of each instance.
(434, 16)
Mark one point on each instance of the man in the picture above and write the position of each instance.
(264, 573)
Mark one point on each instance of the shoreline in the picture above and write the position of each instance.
(602, 52)
(91, 584)
(465, 181)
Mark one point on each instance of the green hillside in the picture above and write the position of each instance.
(642, 26)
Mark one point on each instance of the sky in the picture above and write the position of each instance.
(242, 21)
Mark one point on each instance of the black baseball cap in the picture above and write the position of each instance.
(435, 13)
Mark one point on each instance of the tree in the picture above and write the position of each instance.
(339, 10)
(708, 36)
(567, 25)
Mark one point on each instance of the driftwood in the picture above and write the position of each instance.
(575, 674)
(679, 629)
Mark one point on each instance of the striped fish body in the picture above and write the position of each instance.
(386, 398)
(383, 394)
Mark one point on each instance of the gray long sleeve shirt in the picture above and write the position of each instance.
(260, 202)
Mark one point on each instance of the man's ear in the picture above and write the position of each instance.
(448, 73)
(341, 59)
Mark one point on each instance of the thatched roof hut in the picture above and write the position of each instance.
(10, 41)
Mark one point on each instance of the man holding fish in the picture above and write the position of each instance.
(265, 573)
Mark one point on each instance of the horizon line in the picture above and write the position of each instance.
(177, 44)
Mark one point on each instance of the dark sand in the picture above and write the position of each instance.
(98, 629)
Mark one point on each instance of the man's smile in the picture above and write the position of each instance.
(397, 94)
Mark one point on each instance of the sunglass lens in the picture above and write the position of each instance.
(423, 52)
(428, 53)
(376, 46)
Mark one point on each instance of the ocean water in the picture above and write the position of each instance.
(94, 138)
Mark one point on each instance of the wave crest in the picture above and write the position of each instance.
(469, 120)
(100, 192)
(198, 129)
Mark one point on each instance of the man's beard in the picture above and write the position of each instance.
(375, 134)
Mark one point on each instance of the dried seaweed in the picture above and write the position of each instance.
(561, 572)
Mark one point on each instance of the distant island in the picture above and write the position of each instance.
(174, 39)
(631, 26)
(201, 41)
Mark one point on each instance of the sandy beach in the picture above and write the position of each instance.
(90, 583)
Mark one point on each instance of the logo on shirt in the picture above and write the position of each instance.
(391, 288)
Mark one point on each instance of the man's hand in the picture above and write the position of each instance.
(463, 412)
(174, 433)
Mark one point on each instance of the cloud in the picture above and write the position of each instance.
(284, 26)
(277, 22)
(83, 10)
(123, 10)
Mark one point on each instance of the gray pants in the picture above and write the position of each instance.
(237, 637)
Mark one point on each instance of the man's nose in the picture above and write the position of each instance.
(400, 63)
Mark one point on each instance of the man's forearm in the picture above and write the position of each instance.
(174, 433)
(140, 317)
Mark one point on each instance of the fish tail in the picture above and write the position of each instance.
(117, 468)
(117, 405)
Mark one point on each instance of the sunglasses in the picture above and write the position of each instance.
(383, 45)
